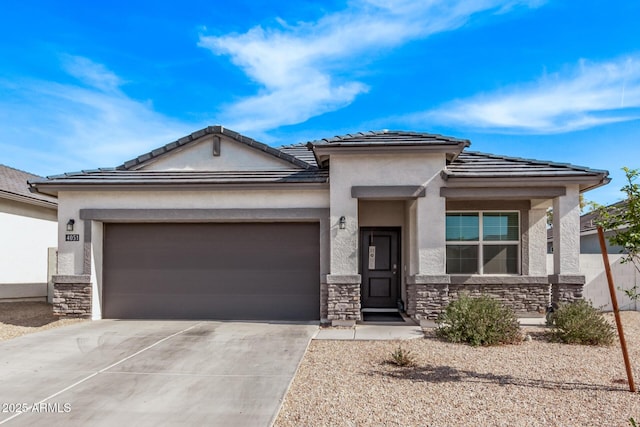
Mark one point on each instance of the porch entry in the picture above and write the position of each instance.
(380, 267)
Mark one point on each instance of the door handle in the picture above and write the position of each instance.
(395, 268)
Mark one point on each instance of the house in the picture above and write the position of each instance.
(28, 226)
(596, 288)
(217, 225)
(589, 242)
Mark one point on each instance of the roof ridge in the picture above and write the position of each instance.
(348, 136)
(210, 130)
(294, 145)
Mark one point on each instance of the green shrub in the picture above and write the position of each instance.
(478, 321)
(402, 357)
(579, 323)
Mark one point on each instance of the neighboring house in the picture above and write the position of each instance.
(217, 225)
(589, 241)
(28, 226)
(596, 289)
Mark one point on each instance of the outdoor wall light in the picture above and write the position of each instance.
(342, 223)
(70, 224)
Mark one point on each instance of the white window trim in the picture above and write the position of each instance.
(481, 242)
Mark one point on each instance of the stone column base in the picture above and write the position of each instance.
(72, 296)
(427, 296)
(343, 299)
(566, 289)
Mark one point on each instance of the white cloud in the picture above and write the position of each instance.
(590, 94)
(303, 69)
(91, 73)
(91, 124)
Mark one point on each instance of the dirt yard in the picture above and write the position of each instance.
(20, 318)
(536, 383)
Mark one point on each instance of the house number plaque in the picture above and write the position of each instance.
(372, 257)
(72, 238)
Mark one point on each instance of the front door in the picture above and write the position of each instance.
(379, 263)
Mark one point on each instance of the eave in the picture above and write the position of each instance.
(322, 152)
(585, 183)
(28, 200)
(54, 189)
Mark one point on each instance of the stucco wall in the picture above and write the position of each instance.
(71, 255)
(590, 244)
(381, 213)
(374, 170)
(566, 232)
(234, 156)
(596, 288)
(27, 210)
(23, 251)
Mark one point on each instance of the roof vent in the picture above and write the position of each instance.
(216, 146)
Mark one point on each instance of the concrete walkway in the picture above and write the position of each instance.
(394, 331)
(371, 332)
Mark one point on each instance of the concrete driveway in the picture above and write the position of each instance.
(150, 373)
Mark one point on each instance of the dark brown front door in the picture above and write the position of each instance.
(379, 264)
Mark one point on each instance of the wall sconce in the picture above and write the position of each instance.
(342, 223)
(70, 224)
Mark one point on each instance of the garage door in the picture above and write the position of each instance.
(212, 271)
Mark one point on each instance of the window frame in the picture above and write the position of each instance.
(481, 242)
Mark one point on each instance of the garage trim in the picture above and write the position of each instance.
(93, 233)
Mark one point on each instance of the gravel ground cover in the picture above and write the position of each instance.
(536, 383)
(20, 318)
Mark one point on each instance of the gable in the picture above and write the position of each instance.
(199, 156)
(203, 151)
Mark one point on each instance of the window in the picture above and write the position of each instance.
(483, 242)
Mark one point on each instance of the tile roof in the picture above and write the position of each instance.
(300, 151)
(389, 137)
(13, 184)
(213, 130)
(166, 178)
(472, 164)
(304, 166)
(587, 221)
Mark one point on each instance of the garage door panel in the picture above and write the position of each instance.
(287, 282)
(212, 271)
(237, 307)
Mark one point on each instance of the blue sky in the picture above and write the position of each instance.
(83, 86)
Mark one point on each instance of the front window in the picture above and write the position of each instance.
(483, 242)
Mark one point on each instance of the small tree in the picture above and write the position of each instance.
(624, 221)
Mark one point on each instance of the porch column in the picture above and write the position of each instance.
(73, 294)
(343, 283)
(566, 281)
(428, 287)
(536, 249)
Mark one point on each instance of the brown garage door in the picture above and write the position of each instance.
(212, 271)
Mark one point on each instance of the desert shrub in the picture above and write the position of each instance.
(579, 323)
(402, 357)
(478, 321)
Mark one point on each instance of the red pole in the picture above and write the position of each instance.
(616, 311)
